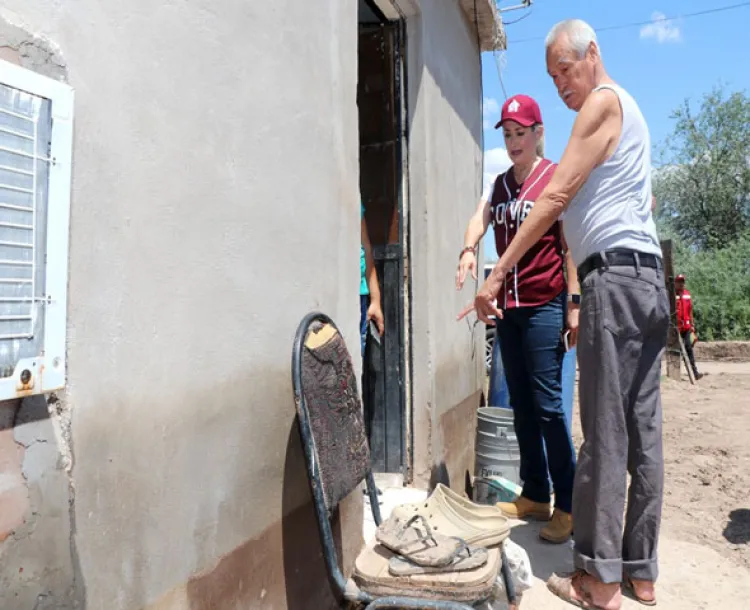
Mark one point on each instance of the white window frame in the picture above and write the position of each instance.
(49, 369)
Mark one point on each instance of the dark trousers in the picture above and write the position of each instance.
(689, 350)
(364, 305)
(622, 336)
(532, 354)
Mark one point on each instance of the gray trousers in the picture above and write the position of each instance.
(624, 321)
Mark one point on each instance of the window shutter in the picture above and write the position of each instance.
(35, 178)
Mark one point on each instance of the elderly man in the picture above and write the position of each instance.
(603, 186)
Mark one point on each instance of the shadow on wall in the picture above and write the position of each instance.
(439, 474)
(304, 565)
(284, 566)
(737, 530)
(452, 58)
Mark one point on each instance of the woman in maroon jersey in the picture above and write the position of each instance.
(532, 300)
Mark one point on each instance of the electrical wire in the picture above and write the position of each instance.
(624, 26)
(507, 23)
(500, 75)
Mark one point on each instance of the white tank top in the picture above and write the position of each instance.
(613, 207)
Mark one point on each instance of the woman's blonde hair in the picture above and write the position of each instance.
(540, 141)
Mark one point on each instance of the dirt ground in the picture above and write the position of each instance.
(705, 540)
(707, 459)
(704, 547)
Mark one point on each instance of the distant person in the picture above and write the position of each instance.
(369, 289)
(532, 304)
(603, 187)
(685, 322)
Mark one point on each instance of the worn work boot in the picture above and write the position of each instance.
(559, 529)
(522, 508)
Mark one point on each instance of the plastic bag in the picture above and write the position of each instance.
(520, 570)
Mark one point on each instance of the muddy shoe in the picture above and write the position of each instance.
(523, 508)
(415, 540)
(466, 558)
(559, 529)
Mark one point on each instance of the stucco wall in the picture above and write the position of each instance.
(214, 203)
(445, 181)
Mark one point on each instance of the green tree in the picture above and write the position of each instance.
(702, 183)
(719, 281)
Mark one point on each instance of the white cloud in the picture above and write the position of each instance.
(662, 30)
(496, 161)
(490, 112)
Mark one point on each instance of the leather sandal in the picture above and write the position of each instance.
(562, 585)
(627, 583)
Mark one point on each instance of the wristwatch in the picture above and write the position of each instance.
(574, 298)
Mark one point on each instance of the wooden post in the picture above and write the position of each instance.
(686, 361)
(674, 354)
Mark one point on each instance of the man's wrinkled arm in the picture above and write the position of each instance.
(594, 137)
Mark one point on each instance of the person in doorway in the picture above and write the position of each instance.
(685, 322)
(603, 185)
(369, 289)
(532, 303)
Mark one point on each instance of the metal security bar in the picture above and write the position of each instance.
(20, 162)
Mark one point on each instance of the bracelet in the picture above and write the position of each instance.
(465, 250)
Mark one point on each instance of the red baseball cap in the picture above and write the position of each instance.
(522, 109)
(680, 278)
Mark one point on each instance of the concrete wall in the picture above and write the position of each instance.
(445, 182)
(215, 202)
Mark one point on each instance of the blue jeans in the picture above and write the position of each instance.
(532, 353)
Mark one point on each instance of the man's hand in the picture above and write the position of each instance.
(572, 324)
(467, 264)
(375, 313)
(484, 302)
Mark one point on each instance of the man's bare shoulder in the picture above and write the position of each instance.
(602, 107)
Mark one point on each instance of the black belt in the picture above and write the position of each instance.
(618, 258)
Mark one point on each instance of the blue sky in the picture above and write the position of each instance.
(660, 64)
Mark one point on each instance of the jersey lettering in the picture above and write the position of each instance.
(538, 276)
(517, 210)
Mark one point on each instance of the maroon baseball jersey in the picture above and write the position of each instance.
(538, 277)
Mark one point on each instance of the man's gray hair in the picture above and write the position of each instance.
(580, 34)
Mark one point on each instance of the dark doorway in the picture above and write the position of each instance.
(381, 156)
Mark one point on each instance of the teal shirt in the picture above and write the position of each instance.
(364, 290)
